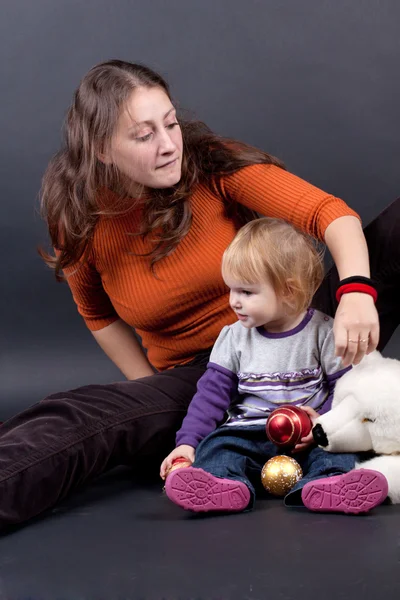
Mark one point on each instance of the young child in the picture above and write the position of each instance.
(279, 351)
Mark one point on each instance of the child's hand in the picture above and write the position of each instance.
(308, 440)
(184, 450)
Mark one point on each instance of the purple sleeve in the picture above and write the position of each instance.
(331, 379)
(209, 404)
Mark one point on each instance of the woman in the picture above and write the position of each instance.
(140, 207)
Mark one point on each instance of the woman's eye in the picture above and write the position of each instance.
(172, 125)
(144, 138)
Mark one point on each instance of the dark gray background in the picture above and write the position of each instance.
(314, 82)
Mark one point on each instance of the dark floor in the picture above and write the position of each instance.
(117, 540)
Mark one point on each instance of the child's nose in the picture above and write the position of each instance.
(234, 300)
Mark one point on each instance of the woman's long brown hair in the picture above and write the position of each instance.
(71, 183)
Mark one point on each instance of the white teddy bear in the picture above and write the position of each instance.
(365, 416)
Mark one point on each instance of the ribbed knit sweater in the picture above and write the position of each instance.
(181, 312)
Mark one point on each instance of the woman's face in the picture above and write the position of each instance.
(146, 146)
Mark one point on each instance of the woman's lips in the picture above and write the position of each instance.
(168, 164)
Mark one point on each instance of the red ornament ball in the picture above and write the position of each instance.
(287, 424)
(178, 463)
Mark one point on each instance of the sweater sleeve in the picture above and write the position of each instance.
(92, 301)
(215, 390)
(207, 409)
(274, 192)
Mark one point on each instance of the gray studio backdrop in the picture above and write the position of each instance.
(314, 82)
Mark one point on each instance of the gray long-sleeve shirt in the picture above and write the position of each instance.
(251, 372)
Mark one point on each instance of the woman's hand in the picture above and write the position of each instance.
(183, 451)
(308, 440)
(356, 327)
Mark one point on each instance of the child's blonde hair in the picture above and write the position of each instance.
(274, 251)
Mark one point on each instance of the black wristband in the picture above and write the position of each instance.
(356, 279)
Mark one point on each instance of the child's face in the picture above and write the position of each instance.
(256, 304)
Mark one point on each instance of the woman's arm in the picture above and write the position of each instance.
(113, 335)
(356, 316)
(121, 345)
(346, 242)
(274, 192)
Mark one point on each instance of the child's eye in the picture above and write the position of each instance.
(247, 293)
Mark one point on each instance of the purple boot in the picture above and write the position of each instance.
(197, 490)
(354, 492)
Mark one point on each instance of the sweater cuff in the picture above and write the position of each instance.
(188, 439)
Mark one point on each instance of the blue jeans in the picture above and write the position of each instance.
(240, 453)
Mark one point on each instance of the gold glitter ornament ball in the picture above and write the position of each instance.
(280, 474)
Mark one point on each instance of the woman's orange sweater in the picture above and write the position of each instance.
(182, 311)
